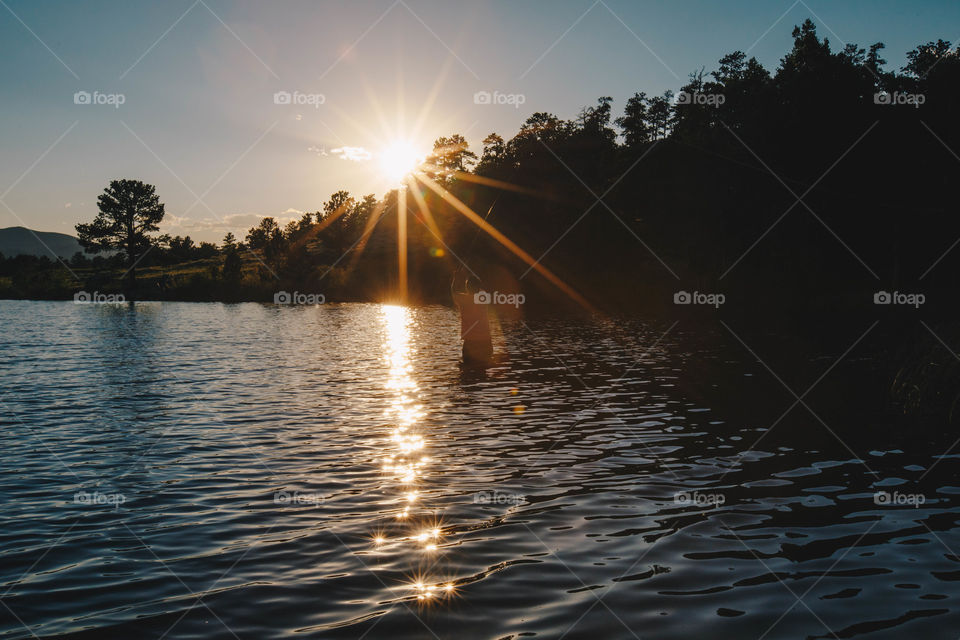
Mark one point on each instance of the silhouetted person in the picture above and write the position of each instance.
(474, 325)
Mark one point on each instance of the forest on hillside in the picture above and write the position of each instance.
(809, 186)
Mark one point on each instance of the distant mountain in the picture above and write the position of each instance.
(20, 240)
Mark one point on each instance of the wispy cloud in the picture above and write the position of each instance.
(356, 154)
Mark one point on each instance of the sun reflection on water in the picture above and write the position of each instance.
(404, 463)
(404, 411)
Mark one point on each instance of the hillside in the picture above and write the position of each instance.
(20, 240)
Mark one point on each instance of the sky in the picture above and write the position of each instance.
(237, 110)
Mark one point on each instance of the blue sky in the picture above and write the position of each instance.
(198, 80)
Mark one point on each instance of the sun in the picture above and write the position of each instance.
(398, 159)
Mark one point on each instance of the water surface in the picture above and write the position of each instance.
(186, 470)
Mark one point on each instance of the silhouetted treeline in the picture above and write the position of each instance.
(709, 184)
(807, 186)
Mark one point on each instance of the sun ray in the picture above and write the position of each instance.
(370, 137)
(330, 218)
(424, 208)
(505, 241)
(431, 98)
(318, 228)
(402, 244)
(506, 186)
(369, 226)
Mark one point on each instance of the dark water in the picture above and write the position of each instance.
(251, 471)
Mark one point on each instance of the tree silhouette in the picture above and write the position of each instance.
(129, 210)
(232, 264)
(634, 121)
(450, 155)
(337, 221)
(268, 242)
(660, 114)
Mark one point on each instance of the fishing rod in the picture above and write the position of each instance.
(473, 239)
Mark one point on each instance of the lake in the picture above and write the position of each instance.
(182, 470)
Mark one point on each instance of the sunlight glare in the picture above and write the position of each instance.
(399, 159)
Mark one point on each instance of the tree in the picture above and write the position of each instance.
(746, 89)
(267, 239)
(660, 114)
(542, 127)
(78, 260)
(634, 121)
(693, 116)
(921, 60)
(182, 248)
(493, 154)
(129, 210)
(874, 62)
(364, 209)
(297, 231)
(595, 121)
(337, 222)
(232, 265)
(206, 250)
(731, 68)
(449, 156)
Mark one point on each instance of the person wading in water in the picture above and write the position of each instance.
(471, 300)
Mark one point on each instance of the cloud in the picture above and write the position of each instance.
(356, 154)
